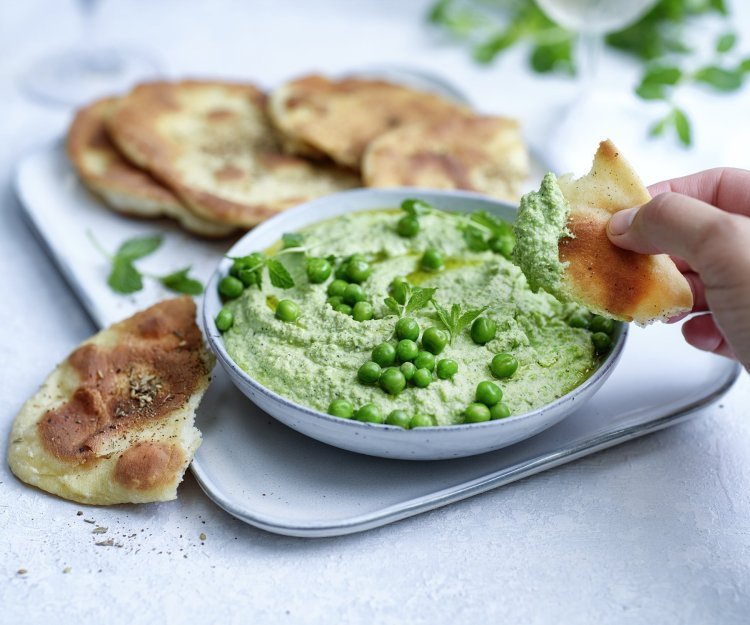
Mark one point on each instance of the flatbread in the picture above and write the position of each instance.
(603, 277)
(318, 116)
(479, 153)
(114, 422)
(123, 186)
(213, 145)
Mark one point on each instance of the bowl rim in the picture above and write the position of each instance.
(216, 342)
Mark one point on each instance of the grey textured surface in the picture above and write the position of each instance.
(656, 531)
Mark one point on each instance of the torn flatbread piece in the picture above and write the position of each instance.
(562, 245)
(123, 186)
(318, 116)
(213, 144)
(113, 423)
(478, 153)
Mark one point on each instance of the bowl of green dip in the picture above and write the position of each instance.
(392, 322)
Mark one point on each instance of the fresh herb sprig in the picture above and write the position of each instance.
(125, 278)
(659, 41)
(484, 231)
(415, 299)
(456, 320)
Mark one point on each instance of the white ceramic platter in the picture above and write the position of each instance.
(275, 478)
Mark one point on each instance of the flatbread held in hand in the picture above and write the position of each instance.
(114, 422)
(571, 215)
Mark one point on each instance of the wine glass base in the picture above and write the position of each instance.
(75, 77)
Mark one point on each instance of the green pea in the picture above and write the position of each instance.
(392, 381)
(406, 350)
(502, 245)
(446, 368)
(398, 289)
(353, 293)
(230, 287)
(341, 408)
(483, 330)
(601, 342)
(355, 258)
(408, 369)
(407, 226)
(432, 260)
(503, 365)
(421, 421)
(476, 413)
(358, 271)
(384, 354)
(399, 418)
(362, 311)
(422, 378)
(601, 324)
(249, 277)
(434, 340)
(337, 288)
(418, 207)
(425, 360)
(488, 393)
(224, 320)
(287, 310)
(579, 320)
(370, 413)
(369, 373)
(407, 328)
(334, 301)
(344, 309)
(318, 270)
(499, 411)
(340, 273)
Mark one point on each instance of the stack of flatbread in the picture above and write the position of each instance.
(219, 156)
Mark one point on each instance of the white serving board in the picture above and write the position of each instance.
(274, 478)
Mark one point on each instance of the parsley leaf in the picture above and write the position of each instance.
(124, 277)
(419, 299)
(180, 282)
(292, 239)
(456, 321)
(393, 306)
(133, 249)
(279, 275)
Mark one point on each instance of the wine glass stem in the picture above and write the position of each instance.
(590, 46)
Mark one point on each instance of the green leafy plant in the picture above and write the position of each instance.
(658, 41)
(125, 278)
(456, 320)
(415, 299)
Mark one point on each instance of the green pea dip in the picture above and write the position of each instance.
(314, 360)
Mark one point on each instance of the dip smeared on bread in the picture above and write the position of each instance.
(562, 245)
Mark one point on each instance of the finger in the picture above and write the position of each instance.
(726, 188)
(708, 239)
(681, 264)
(699, 291)
(702, 332)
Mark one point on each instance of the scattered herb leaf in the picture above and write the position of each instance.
(124, 277)
(418, 299)
(133, 249)
(180, 282)
(292, 239)
(280, 277)
(456, 321)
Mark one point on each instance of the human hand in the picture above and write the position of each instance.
(703, 222)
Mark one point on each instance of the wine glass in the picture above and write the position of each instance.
(594, 114)
(89, 70)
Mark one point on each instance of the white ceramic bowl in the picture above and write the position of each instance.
(432, 443)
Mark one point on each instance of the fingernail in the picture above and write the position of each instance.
(621, 220)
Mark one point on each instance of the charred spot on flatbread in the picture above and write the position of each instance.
(114, 422)
(212, 143)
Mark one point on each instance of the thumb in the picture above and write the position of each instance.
(703, 235)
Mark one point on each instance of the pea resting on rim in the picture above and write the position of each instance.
(400, 418)
(341, 408)
(421, 421)
(224, 320)
(488, 393)
(370, 413)
(499, 411)
(476, 413)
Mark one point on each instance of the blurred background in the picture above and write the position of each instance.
(676, 69)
